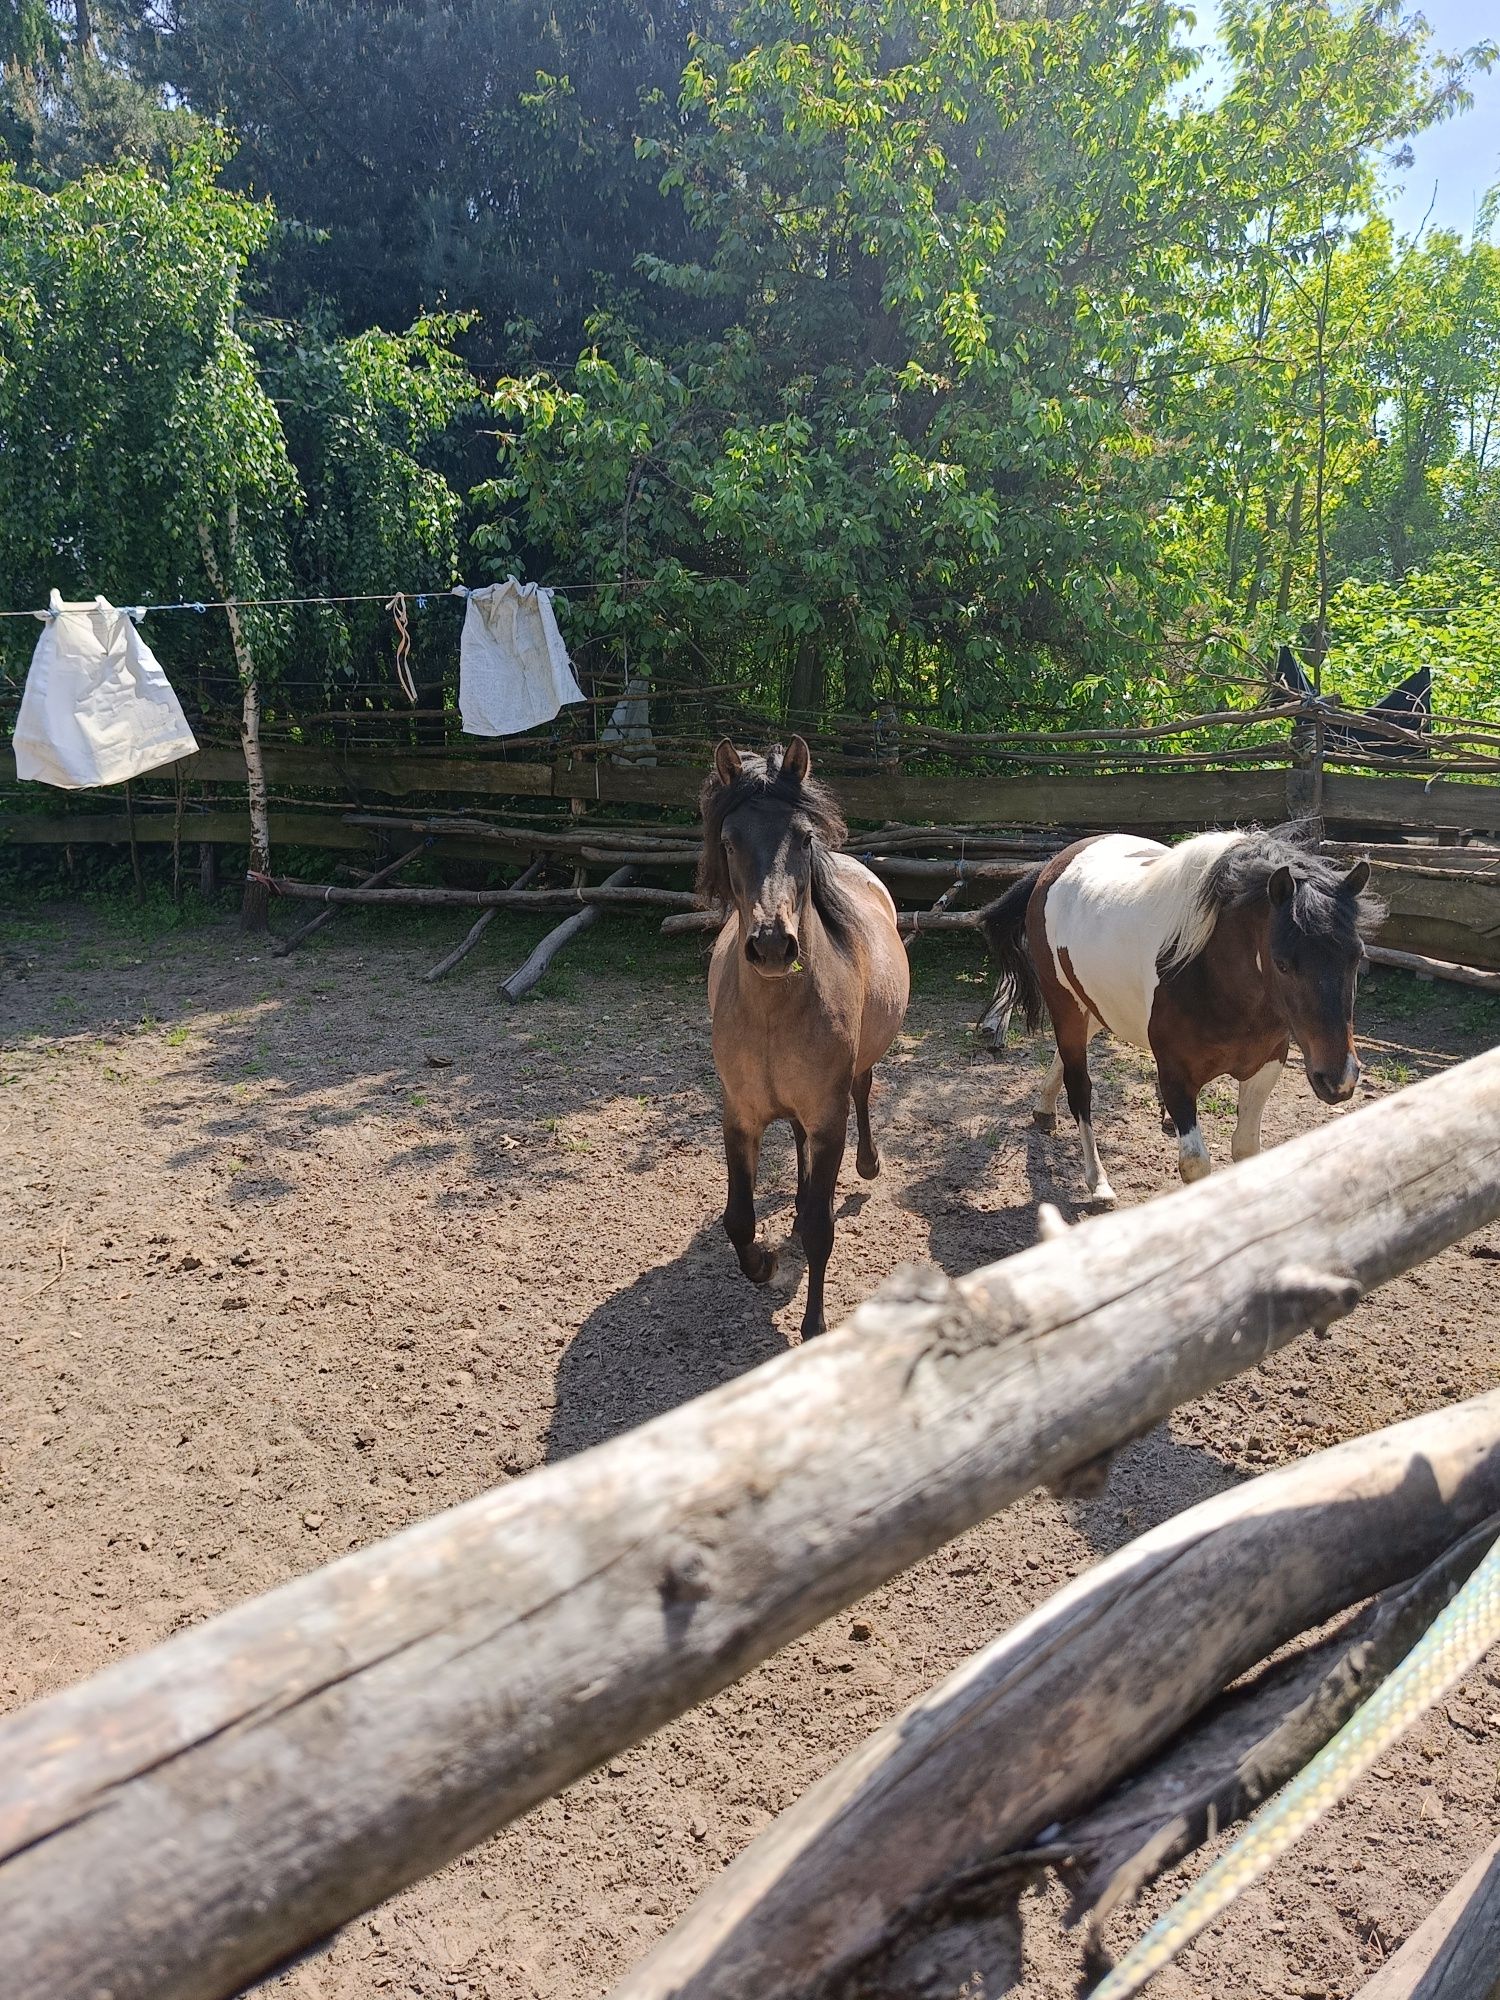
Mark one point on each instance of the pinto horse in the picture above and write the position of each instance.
(807, 987)
(1215, 955)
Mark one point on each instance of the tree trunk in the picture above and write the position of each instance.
(255, 906)
(804, 702)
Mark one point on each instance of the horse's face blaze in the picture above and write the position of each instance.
(769, 857)
(1313, 980)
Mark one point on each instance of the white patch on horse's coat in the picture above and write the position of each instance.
(1258, 966)
(1192, 1156)
(1252, 1104)
(1122, 907)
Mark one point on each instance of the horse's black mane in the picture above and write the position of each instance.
(812, 808)
(1241, 874)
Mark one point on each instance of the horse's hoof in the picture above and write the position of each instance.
(759, 1266)
(1194, 1168)
(1104, 1196)
(1169, 1130)
(1044, 1121)
(867, 1166)
(812, 1328)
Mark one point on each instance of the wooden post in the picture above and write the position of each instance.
(255, 906)
(184, 1820)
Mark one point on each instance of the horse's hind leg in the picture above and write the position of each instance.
(1073, 1054)
(742, 1156)
(815, 1217)
(867, 1159)
(1044, 1112)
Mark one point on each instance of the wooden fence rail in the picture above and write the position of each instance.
(1167, 799)
(185, 1819)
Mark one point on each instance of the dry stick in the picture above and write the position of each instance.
(283, 946)
(1455, 1954)
(889, 1847)
(255, 907)
(528, 975)
(1401, 1617)
(477, 930)
(1431, 968)
(186, 1819)
(954, 888)
(607, 894)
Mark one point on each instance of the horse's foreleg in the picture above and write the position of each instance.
(1044, 1112)
(1254, 1091)
(1180, 1103)
(815, 1218)
(742, 1156)
(867, 1159)
(799, 1136)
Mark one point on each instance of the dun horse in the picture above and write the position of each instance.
(1215, 955)
(807, 988)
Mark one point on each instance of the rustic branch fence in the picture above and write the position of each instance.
(185, 1820)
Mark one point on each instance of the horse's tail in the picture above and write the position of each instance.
(1004, 927)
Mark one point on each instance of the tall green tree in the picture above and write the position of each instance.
(478, 152)
(980, 265)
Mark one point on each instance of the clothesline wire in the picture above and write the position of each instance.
(384, 597)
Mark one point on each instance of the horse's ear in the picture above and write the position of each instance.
(1281, 887)
(727, 765)
(1357, 880)
(796, 761)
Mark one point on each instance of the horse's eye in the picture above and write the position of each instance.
(1282, 965)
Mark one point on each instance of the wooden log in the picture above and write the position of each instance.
(532, 971)
(480, 925)
(1064, 1705)
(611, 893)
(907, 921)
(1433, 968)
(954, 888)
(282, 947)
(1455, 1954)
(255, 902)
(186, 1819)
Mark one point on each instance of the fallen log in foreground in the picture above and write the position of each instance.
(184, 1820)
(855, 1884)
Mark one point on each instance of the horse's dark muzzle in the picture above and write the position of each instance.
(771, 950)
(1334, 1086)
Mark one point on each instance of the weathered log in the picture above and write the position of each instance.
(534, 969)
(1455, 1954)
(1064, 1705)
(481, 923)
(609, 894)
(1433, 968)
(281, 947)
(186, 1819)
(907, 921)
(1130, 1840)
(954, 888)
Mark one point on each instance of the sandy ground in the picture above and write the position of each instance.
(293, 1253)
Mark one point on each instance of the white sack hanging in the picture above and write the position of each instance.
(97, 706)
(513, 668)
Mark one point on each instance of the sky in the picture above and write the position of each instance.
(1455, 163)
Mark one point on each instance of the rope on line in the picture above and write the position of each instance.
(1455, 1642)
(420, 598)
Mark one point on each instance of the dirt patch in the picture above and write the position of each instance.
(297, 1252)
